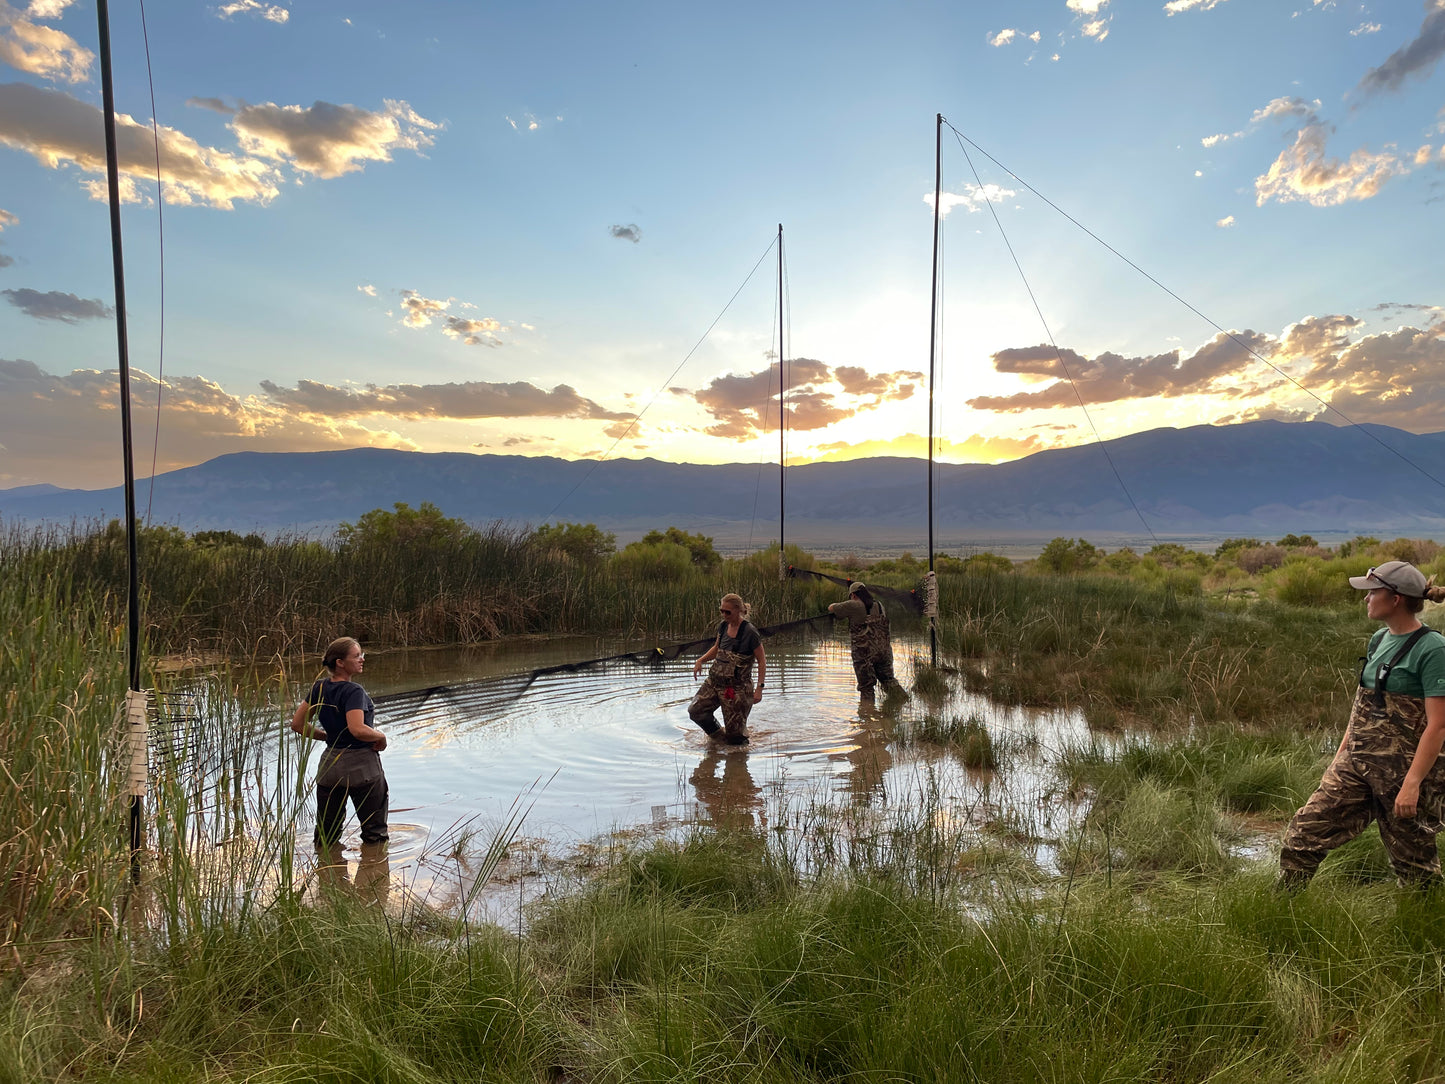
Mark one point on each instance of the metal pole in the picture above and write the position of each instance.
(112, 172)
(782, 425)
(932, 352)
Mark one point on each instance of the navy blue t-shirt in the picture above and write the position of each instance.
(336, 698)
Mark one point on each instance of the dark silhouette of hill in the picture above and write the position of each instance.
(1259, 478)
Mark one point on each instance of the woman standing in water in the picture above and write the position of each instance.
(871, 643)
(351, 765)
(729, 681)
(1388, 767)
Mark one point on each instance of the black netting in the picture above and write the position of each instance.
(487, 694)
(913, 598)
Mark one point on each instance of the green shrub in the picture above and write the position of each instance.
(652, 561)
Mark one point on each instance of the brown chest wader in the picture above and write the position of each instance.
(729, 685)
(1360, 785)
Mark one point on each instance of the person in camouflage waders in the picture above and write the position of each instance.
(729, 683)
(872, 646)
(1388, 766)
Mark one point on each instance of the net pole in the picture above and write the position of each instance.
(932, 356)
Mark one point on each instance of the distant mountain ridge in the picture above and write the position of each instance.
(1257, 478)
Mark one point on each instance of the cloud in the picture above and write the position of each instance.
(1303, 172)
(65, 429)
(973, 197)
(740, 403)
(1174, 7)
(1366, 28)
(1417, 56)
(419, 312)
(1395, 378)
(47, 9)
(42, 50)
(1086, 7)
(1096, 28)
(473, 399)
(1225, 222)
(367, 289)
(1003, 37)
(62, 131)
(974, 449)
(1213, 140)
(630, 232)
(6, 219)
(1110, 377)
(270, 12)
(329, 140)
(215, 105)
(1286, 107)
(54, 305)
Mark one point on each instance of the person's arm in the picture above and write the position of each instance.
(762, 671)
(852, 609)
(706, 656)
(1407, 802)
(356, 724)
(300, 724)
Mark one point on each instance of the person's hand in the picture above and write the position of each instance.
(1407, 802)
(379, 744)
(758, 693)
(697, 668)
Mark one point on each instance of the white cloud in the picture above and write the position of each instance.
(1174, 7)
(1003, 37)
(47, 9)
(1422, 155)
(42, 50)
(1286, 107)
(1199, 173)
(419, 312)
(329, 140)
(973, 197)
(270, 12)
(1225, 222)
(1366, 28)
(1096, 28)
(1086, 7)
(7, 219)
(1302, 172)
(1214, 140)
(368, 290)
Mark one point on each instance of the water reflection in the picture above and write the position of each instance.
(603, 752)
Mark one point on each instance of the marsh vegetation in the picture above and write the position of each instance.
(1121, 924)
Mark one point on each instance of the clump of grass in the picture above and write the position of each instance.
(967, 736)
(930, 682)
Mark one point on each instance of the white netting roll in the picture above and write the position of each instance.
(135, 715)
(930, 595)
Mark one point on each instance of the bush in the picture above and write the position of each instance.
(699, 546)
(1308, 582)
(1230, 545)
(1255, 558)
(652, 561)
(585, 543)
(1292, 541)
(987, 564)
(423, 527)
(1065, 555)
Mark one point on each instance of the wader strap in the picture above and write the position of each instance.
(1382, 675)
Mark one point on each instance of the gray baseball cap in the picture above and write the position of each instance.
(1401, 577)
(856, 586)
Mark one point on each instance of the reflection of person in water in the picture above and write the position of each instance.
(731, 800)
(871, 756)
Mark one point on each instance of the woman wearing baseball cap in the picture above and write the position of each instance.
(1388, 766)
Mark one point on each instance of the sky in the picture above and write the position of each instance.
(551, 228)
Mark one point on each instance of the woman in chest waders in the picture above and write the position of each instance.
(729, 683)
(338, 711)
(1388, 766)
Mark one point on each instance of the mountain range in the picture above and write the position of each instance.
(1257, 478)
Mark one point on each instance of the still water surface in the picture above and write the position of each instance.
(600, 752)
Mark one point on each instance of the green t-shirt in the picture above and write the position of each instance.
(1419, 673)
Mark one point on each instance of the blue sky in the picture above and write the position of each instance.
(451, 227)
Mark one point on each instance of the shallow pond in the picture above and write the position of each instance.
(600, 752)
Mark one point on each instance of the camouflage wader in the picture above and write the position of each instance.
(1360, 786)
(729, 685)
(872, 649)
